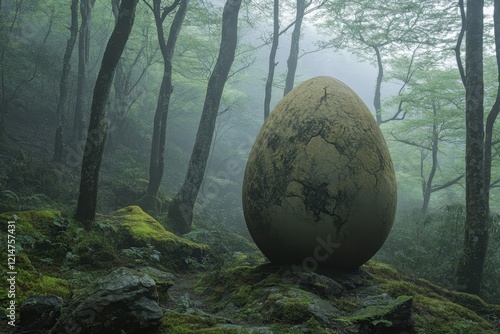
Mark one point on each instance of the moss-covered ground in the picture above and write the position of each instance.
(225, 287)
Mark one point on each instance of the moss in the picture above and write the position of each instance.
(243, 295)
(293, 305)
(95, 250)
(135, 228)
(180, 323)
(469, 301)
(30, 282)
(375, 313)
(39, 225)
(436, 310)
(382, 270)
(285, 329)
(150, 204)
(239, 283)
(346, 303)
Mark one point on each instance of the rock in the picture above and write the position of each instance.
(124, 300)
(244, 329)
(296, 306)
(383, 314)
(135, 228)
(319, 186)
(164, 281)
(323, 286)
(40, 312)
(349, 280)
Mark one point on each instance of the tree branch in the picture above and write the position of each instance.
(407, 142)
(169, 9)
(447, 184)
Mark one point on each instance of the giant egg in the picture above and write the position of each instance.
(319, 187)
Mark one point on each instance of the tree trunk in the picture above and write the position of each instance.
(119, 103)
(470, 268)
(180, 211)
(63, 85)
(493, 114)
(98, 127)
(427, 189)
(272, 60)
(377, 99)
(149, 202)
(293, 58)
(83, 55)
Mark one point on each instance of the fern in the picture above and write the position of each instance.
(9, 195)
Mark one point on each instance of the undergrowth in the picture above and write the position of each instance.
(430, 246)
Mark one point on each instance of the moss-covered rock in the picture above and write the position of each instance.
(438, 310)
(295, 306)
(94, 250)
(134, 228)
(39, 233)
(375, 299)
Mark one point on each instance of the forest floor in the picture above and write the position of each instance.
(237, 291)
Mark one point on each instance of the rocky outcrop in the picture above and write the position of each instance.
(124, 300)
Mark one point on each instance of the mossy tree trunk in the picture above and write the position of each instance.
(150, 202)
(98, 127)
(180, 211)
(470, 268)
(63, 85)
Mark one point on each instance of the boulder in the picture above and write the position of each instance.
(383, 314)
(124, 300)
(40, 312)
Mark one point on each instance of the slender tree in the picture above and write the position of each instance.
(180, 211)
(118, 83)
(493, 114)
(293, 57)
(470, 268)
(130, 71)
(98, 127)
(272, 59)
(435, 118)
(86, 7)
(430, 147)
(63, 85)
(150, 200)
(9, 88)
